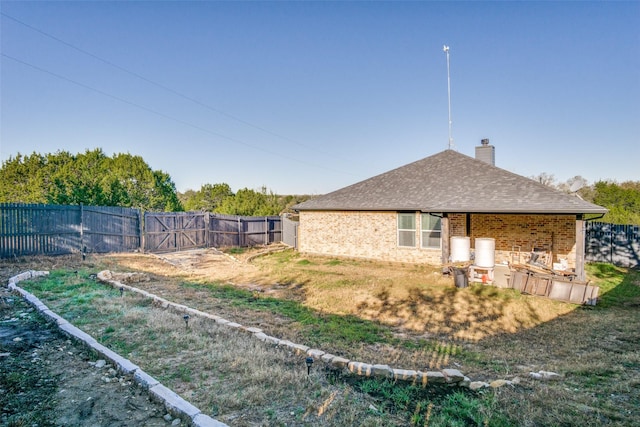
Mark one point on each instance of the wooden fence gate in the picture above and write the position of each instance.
(175, 231)
(37, 229)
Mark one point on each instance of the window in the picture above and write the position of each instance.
(407, 229)
(431, 230)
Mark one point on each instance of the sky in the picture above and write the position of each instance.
(309, 97)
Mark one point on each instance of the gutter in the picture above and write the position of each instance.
(593, 219)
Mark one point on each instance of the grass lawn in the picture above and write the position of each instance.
(405, 316)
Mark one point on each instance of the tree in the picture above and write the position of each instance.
(89, 178)
(248, 202)
(286, 202)
(579, 186)
(164, 193)
(622, 200)
(545, 179)
(219, 198)
(208, 198)
(22, 180)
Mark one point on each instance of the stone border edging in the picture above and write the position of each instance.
(452, 377)
(173, 403)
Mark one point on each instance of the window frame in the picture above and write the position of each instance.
(400, 230)
(423, 230)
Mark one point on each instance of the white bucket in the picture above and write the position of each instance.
(485, 252)
(460, 249)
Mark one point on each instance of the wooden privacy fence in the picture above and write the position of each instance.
(30, 229)
(613, 243)
(176, 231)
(27, 229)
(232, 230)
(290, 232)
(34, 229)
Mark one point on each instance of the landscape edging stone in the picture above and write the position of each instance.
(175, 404)
(451, 377)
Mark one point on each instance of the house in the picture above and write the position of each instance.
(409, 214)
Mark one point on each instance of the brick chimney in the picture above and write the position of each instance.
(486, 152)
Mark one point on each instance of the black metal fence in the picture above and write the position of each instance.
(613, 243)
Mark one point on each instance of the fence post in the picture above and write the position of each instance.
(81, 227)
(143, 240)
(206, 229)
(123, 225)
(611, 236)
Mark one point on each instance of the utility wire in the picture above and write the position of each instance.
(168, 89)
(166, 116)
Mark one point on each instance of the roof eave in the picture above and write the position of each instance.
(458, 210)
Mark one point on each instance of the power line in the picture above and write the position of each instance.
(166, 88)
(166, 116)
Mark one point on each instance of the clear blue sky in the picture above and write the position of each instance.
(308, 97)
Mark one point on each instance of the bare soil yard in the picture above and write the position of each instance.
(48, 380)
(406, 316)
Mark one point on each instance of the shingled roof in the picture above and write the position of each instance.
(451, 182)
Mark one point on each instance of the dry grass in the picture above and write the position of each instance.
(227, 374)
(418, 299)
(422, 321)
(416, 303)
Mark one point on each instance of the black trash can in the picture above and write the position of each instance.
(461, 277)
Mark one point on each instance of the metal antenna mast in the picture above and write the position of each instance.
(446, 51)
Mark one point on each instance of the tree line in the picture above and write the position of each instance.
(247, 202)
(622, 199)
(93, 178)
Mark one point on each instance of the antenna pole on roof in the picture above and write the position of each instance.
(446, 51)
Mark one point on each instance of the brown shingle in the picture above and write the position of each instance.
(451, 182)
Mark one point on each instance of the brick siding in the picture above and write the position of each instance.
(555, 233)
(371, 235)
(374, 235)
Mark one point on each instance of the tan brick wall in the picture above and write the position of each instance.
(372, 235)
(556, 233)
(458, 225)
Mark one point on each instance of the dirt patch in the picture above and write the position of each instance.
(214, 265)
(48, 380)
